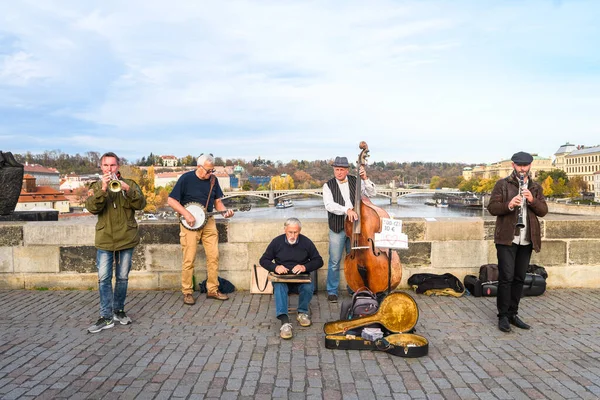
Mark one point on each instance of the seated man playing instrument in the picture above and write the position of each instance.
(291, 253)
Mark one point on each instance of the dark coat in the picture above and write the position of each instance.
(506, 221)
(280, 252)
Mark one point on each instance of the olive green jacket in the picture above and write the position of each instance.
(116, 228)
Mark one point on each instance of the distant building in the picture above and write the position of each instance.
(579, 161)
(467, 173)
(224, 180)
(169, 161)
(561, 153)
(165, 178)
(74, 181)
(504, 168)
(34, 197)
(597, 186)
(239, 177)
(44, 176)
(259, 180)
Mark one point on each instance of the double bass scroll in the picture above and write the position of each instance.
(366, 265)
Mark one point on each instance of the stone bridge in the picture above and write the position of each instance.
(271, 195)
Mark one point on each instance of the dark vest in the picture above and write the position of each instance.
(336, 222)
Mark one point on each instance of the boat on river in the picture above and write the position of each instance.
(459, 200)
(287, 203)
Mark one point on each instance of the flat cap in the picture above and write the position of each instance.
(341, 162)
(522, 158)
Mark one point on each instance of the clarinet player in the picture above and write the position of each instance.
(517, 202)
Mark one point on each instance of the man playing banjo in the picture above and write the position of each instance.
(201, 189)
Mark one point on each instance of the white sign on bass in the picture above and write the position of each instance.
(391, 235)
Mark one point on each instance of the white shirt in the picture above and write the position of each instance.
(367, 188)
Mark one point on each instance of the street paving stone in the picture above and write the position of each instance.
(232, 350)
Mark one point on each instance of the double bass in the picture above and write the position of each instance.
(366, 265)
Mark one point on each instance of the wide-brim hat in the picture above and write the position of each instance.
(522, 158)
(341, 162)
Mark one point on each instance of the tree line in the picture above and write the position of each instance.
(300, 174)
(305, 173)
(555, 183)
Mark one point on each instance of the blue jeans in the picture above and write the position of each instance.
(281, 290)
(337, 243)
(109, 302)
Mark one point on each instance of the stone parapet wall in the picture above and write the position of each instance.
(62, 254)
(574, 209)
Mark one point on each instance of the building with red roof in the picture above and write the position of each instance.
(34, 197)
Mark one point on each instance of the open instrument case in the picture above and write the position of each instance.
(397, 316)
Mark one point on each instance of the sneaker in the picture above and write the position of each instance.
(122, 318)
(286, 331)
(303, 319)
(102, 323)
(332, 298)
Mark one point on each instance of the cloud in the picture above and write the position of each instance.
(419, 80)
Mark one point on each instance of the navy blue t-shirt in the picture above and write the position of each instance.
(189, 188)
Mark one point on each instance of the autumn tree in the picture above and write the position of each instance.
(131, 172)
(81, 194)
(470, 185)
(435, 183)
(282, 182)
(302, 178)
(547, 186)
(187, 160)
(145, 179)
(560, 187)
(556, 174)
(576, 185)
(486, 185)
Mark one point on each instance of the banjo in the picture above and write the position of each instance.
(201, 215)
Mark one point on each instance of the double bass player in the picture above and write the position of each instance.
(339, 203)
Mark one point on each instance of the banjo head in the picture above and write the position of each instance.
(198, 211)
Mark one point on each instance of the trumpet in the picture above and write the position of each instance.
(114, 185)
(522, 185)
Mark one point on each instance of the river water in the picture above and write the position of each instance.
(407, 206)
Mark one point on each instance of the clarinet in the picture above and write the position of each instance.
(522, 185)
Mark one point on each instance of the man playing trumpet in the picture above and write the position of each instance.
(517, 207)
(116, 237)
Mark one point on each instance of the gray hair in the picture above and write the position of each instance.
(292, 221)
(204, 158)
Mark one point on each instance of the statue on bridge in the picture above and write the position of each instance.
(11, 181)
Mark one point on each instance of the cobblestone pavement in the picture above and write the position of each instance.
(231, 350)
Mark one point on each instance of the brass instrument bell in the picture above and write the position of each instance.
(114, 185)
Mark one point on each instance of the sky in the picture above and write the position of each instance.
(467, 81)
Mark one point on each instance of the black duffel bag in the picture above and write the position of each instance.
(534, 285)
